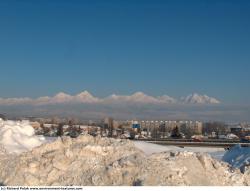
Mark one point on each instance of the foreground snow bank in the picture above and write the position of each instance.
(89, 160)
(18, 136)
(238, 157)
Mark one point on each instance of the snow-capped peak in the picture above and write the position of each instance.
(141, 97)
(199, 99)
(84, 94)
(138, 94)
(85, 97)
(62, 95)
(167, 99)
(116, 97)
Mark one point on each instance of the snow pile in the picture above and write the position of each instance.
(232, 136)
(88, 160)
(238, 157)
(18, 136)
(82, 161)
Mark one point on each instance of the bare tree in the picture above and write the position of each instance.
(175, 133)
(60, 130)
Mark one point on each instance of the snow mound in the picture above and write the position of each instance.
(96, 161)
(238, 157)
(18, 136)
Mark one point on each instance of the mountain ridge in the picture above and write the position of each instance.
(87, 97)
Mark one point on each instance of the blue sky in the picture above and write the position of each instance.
(158, 47)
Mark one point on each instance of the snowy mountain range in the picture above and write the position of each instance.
(86, 97)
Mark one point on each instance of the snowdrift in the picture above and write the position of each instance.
(97, 161)
(18, 136)
(238, 157)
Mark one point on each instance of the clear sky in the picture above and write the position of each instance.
(158, 47)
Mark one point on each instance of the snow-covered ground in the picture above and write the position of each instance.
(88, 160)
(238, 157)
(19, 136)
(150, 148)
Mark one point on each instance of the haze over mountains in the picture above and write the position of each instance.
(87, 98)
(138, 105)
